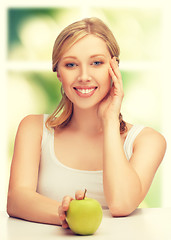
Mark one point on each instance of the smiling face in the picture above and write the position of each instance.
(83, 71)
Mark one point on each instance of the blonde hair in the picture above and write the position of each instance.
(65, 40)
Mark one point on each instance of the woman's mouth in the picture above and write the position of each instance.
(85, 91)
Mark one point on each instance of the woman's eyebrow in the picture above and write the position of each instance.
(97, 55)
(70, 57)
(92, 56)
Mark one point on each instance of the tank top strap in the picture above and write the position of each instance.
(47, 134)
(132, 134)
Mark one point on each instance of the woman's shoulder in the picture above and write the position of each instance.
(32, 119)
(150, 137)
(32, 123)
(150, 133)
(145, 135)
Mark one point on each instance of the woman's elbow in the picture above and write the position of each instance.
(9, 210)
(121, 211)
(10, 205)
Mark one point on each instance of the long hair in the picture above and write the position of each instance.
(66, 39)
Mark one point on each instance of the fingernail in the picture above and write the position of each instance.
(65, 225)
(79, 197)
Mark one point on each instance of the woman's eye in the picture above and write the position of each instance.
(96, 63)
(70, 65)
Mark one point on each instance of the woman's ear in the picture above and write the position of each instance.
(58, 76)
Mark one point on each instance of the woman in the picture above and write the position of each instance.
(85, 143)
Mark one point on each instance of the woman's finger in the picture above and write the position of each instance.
(61, 213)
(114, 78)
(65, 203)
(79, 195)
(115, 74)
(65, 224)
(115, 67)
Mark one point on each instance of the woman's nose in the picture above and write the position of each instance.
(84, 75)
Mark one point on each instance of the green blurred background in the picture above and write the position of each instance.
(34, 89)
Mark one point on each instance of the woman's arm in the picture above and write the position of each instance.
(126, 182)
(23, 200)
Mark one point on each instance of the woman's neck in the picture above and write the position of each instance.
(86, 120)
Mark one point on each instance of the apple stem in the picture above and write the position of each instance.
(85, 193)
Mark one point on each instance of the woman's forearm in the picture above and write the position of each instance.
(122, 186)
(32, 206)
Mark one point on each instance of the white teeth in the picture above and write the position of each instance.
(84, 91)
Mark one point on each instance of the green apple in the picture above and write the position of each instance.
(84, 216)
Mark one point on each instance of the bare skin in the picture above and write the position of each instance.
(94, 123)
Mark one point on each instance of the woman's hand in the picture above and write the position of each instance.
(79, 195)
(110, 106)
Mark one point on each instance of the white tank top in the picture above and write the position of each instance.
(56, 180)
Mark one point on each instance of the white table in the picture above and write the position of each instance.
(143, 224)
